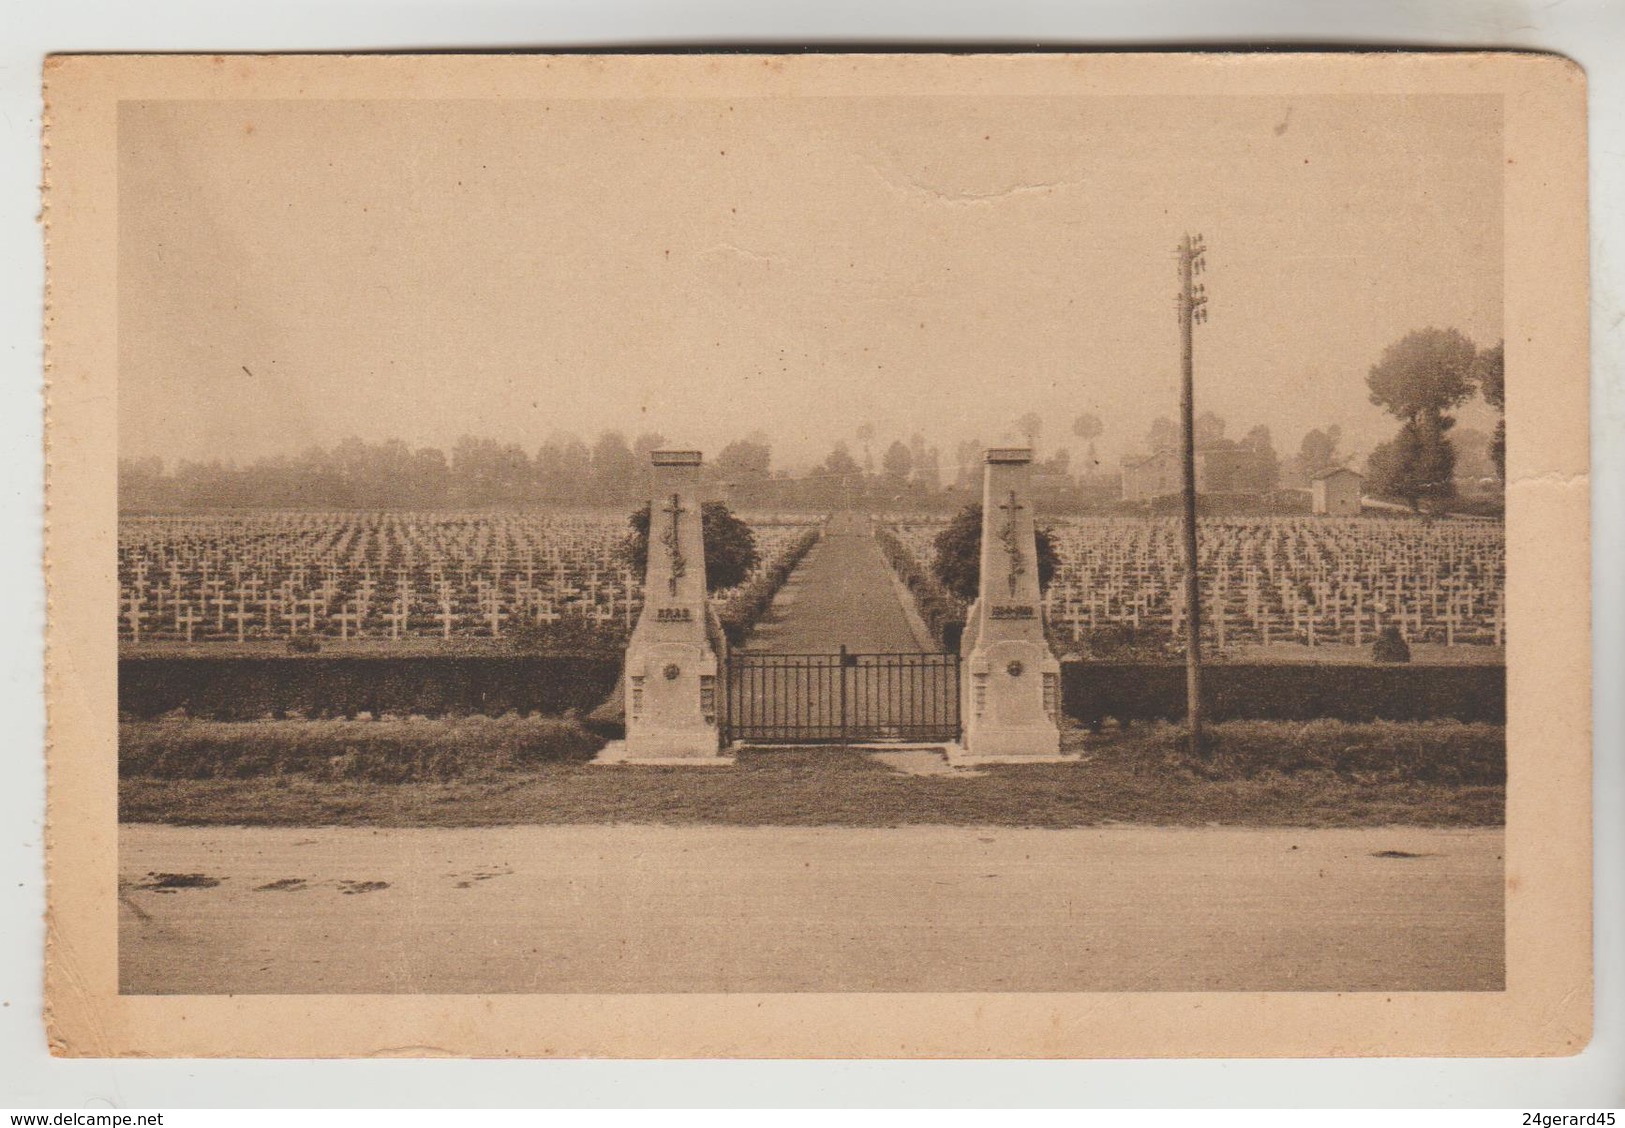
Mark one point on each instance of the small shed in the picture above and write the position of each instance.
(1336, 493)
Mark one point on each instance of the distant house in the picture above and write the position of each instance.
(1151, 477)
(1336, 492)
(1221, 468)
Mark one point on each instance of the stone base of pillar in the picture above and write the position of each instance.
(618, 752)
(672, 699)
(1012, 702)
(958, 757)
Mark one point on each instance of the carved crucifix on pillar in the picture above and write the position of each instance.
(1012, 543)
(678, 564)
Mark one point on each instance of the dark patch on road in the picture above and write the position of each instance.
(282, 885)
(1397, 854)
(362, 886)
(169, 882)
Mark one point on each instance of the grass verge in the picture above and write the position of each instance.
(485, 772)
(389, 751)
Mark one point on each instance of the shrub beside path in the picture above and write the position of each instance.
(843, 594)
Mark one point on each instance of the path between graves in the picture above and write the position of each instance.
(318, 910)
(842, 594)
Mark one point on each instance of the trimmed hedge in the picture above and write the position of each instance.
(245, 689)
(747, 606)
(1094, 691)
(942, 612)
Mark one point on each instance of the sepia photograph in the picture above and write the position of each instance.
(757, 527)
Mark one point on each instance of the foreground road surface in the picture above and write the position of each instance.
(761, 909)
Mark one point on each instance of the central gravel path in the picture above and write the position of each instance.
(843, 594)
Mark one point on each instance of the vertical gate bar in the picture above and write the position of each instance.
(941, 709)
(843, 693)
(896, 689)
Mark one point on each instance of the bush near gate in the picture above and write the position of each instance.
(958, 563)
(397, 751)
(730, 546)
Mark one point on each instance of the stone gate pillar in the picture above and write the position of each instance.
(672, 667)
(1011, 682)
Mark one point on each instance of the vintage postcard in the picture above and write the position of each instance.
(820, 555)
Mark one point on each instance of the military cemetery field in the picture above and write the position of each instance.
(424, 599)
(397, 582)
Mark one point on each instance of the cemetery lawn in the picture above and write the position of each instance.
(1320, 774)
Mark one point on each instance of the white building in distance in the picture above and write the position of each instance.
(1336, 492)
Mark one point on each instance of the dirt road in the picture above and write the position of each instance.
(675, 909)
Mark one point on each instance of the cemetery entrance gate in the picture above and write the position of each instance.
(842, 698)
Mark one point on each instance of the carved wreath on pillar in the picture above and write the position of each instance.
(1012, 542)
(673, 547)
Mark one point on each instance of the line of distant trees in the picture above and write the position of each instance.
(1420, 380)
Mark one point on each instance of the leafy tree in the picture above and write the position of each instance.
(1088, 427)
(646, 444)
(967, 463)
(1474, 456)
(1417, 465)
(897, 463)
(730, 546)
(866, 436)
(1427, 372)
(838, 478)
(1209, 429)
(1163, 434)
(1318, 451)
(483, 471)
(615, 470)
(1030, 426)
(1058, 464)
(563, 469)
(745, 460)
(841, 462)
(958, 562)
(928, 470)
(1268, 467)
(1491, 369)
(642, 447)
(1419, 380)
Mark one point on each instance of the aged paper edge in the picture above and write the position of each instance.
(1547, 1005)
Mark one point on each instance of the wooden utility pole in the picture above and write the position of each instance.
(1192, 309)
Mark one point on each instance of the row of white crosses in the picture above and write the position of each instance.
(1268, 580)
(274, 574)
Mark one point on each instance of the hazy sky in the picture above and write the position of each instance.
(295, 272)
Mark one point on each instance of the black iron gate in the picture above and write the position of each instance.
(841, 698)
